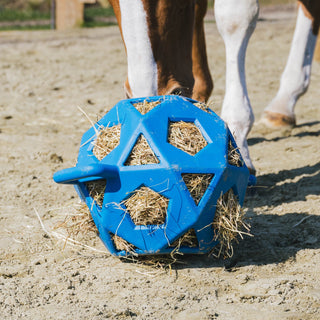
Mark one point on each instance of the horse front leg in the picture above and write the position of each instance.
(236, 21)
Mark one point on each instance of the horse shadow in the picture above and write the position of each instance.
(285, 186)
(276, 237)
(316, 133)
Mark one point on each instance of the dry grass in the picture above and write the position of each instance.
(234, 157)
(96, 190)
(147, 207)
(145, 106)
(79, 222)
(107, 139)
(197, 184)
(123, 245)
(186, 136)
(229, 222)
(141, 154)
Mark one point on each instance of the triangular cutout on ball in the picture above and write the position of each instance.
(107, 140)
(147, 207)
(186, 136)
(197, 184)
(96, 190)
(141, 154)
(145, 106)
(234, 157)
(122, 245)
(189, 239)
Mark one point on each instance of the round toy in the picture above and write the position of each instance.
(152, 172)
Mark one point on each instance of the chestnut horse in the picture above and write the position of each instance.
(166, 54)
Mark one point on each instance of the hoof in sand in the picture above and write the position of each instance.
(277, 120)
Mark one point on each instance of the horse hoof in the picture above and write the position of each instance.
(277, 120)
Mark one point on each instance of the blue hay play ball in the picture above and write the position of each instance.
(148, 199)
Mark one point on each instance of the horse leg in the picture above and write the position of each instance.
(203, 84)
(236, 21)
(295, 78)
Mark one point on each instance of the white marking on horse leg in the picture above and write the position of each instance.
(236, 21)
(142, 68)
(295, 78)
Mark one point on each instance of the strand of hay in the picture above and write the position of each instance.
(147, 207)
(96, 190)
(234, 157)
(229, 222)
(146, 106)
(107, 139)
(153, 265)
(186, 136)
(65, 239)
(141, 154)
(79, 222)
(197, 184)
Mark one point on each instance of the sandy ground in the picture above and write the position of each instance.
(44, 77)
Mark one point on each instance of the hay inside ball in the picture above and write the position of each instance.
(123, 245)
(186, 136)
(141, 154)
(197, 184)
(96, 190)
(189, 239)
(202, 106)
(108, 139)
(147, 207)
(234, 157)
(146, 106)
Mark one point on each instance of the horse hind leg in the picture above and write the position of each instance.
(295, 78)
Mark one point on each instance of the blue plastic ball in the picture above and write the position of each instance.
(165, 177)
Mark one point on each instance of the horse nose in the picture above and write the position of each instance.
(180, 91)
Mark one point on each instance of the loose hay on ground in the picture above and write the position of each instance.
(229, 222)
(79, 222)
(186, 136)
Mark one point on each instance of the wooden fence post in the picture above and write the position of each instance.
(69, 14)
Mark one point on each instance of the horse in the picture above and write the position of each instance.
(166, 54)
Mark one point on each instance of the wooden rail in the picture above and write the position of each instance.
(69, 13)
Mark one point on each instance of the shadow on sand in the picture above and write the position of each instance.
(277, 238)
(286, 134)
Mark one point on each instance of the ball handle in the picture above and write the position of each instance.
(93, 171)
